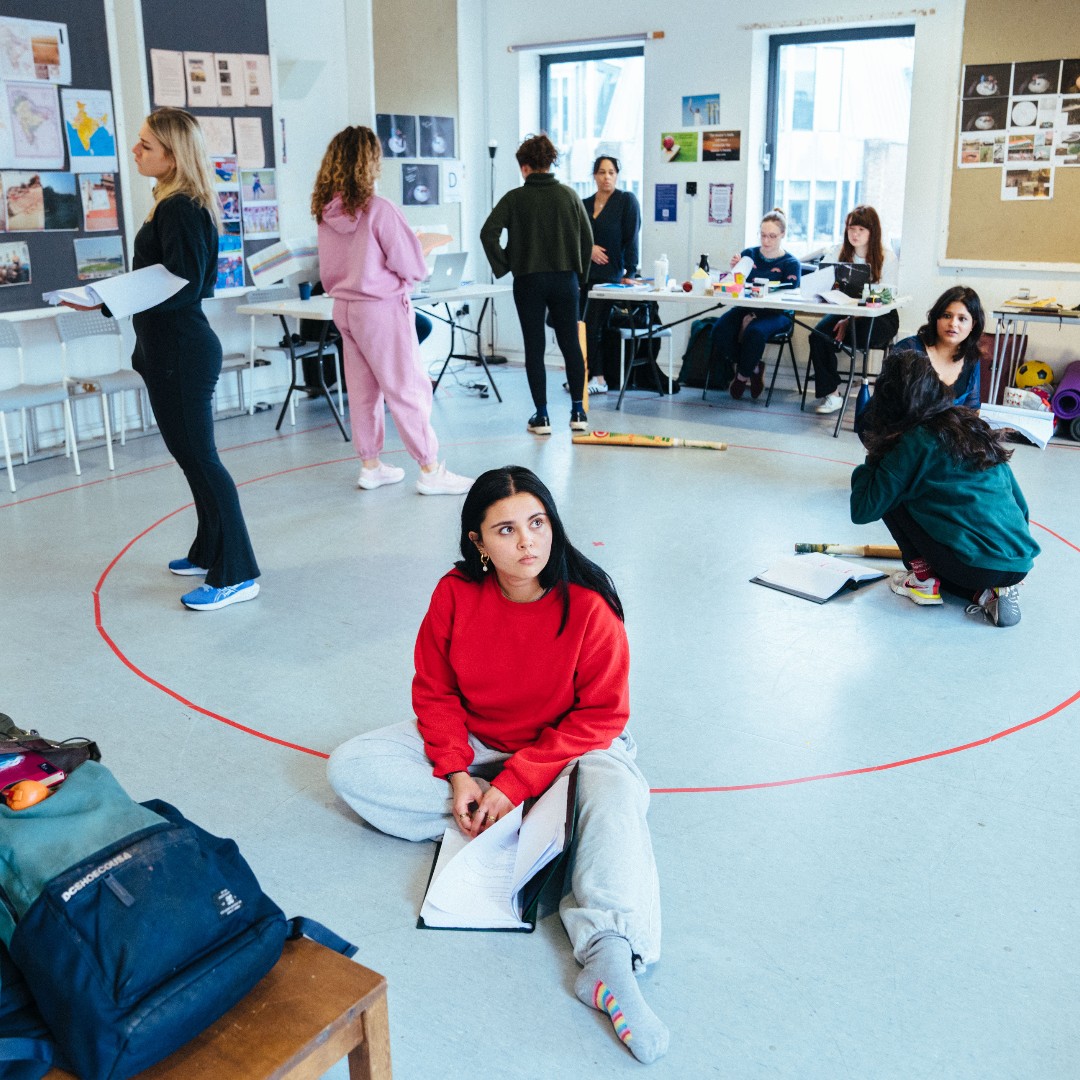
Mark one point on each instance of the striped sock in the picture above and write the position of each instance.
(607, 984)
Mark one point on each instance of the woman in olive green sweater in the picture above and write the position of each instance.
(938, 477)
(549, 244)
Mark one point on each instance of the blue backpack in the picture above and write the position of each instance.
(133, 928)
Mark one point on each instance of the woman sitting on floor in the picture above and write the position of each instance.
(938, 477)
(521, 670)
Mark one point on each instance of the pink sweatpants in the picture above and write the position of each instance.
(382, 365)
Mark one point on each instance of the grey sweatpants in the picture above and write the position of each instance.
(386, 777)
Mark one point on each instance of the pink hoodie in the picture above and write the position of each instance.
(373, 256)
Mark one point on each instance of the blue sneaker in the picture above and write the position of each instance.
(186, 568)
(207, 598)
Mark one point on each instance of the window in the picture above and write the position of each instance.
(839, 105)
(593, 103)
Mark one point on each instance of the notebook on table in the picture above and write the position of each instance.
(445, 275)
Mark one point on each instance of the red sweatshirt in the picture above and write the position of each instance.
(497, 670)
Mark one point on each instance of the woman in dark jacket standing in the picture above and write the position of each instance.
(616, 223)
(179, 355)
(548, 247)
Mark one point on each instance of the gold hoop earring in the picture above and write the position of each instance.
(484, 560)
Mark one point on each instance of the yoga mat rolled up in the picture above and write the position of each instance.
(1066, 402)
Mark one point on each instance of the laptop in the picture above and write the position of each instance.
(850, 278)
(445, 275)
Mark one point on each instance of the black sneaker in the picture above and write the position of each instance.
(539, 424)
(578, 420)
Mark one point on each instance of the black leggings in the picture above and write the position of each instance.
(823, 348)
(535, 295)
(955, 576)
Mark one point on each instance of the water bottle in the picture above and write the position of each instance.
(660, 274)
(862, 400)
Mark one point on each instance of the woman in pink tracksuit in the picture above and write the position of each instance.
(369, 260)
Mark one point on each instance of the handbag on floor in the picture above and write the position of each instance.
(133, 928)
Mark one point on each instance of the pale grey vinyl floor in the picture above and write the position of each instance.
(914, 918)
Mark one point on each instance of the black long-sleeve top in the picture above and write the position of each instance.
(616, 230)
(182, 237)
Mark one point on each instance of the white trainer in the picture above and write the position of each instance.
(441, 481)
(596, 386)
(370, 479)
(829, 404)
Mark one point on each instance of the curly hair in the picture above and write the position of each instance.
(349, 168)
(865, 217)
(538, 152)
(909, 394)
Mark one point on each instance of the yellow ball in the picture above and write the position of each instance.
(1033, 373)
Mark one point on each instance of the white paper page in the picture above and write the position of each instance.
(744, 266)
(542, 832)
(51, 63)
(257, 80)
(201, 81)
(250, 149)
(125, 294)
(474, 887)
(229, 72)
(1033, 425)
(820, 281)
(218, 133)
(167, 71)
(275, 262)
(817, 575)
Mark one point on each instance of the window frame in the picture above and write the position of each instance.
(772, 106)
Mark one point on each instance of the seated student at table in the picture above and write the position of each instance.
(741, 334)
(522, 668)
(937, 476)
(616, 223)
(863, 244)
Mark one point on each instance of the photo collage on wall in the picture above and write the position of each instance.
(414, 137)
(246, 188)
(1022, 119)
(58, 158)
(249, 210)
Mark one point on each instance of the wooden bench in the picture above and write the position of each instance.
(312, 1009)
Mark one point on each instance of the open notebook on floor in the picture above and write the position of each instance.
(494, 881)
(445, 275)
(816, 577)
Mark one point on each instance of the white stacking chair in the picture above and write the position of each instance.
(238, 363)
(90, 377)
(18, 395)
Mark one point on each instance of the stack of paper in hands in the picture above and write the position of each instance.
(123, 294)
(492, 882)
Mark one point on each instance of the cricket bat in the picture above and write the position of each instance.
(618, 438)
(867, 551)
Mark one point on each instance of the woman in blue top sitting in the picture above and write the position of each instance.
(741, 334)
(950, 337)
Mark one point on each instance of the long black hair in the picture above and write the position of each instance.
(968, 350)
(565, 566)
(908, 394)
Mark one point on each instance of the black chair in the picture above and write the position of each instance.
(847, 378)
(781, 339)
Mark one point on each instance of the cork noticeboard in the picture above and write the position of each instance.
(982, 227)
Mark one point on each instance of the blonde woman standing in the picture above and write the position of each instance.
(179, 355)
(369, 261)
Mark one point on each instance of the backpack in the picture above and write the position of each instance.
(698, 357)
(133, 928)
